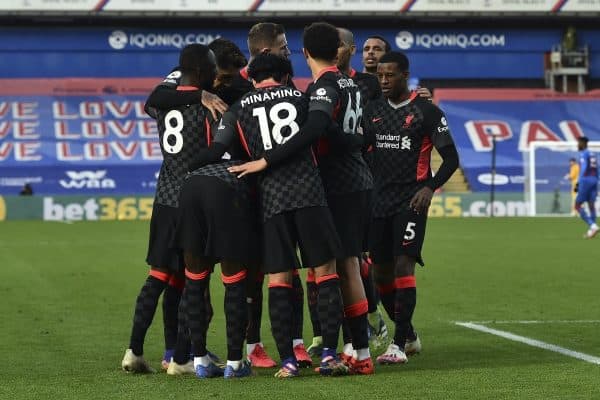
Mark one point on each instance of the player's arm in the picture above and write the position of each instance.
(223, 139)
(306, 136)
(583, 165)
(443, 143)
(166, 95)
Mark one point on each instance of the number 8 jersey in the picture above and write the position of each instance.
(183, 132)
(265, 119)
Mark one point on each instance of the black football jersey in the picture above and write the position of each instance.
(265, 119)
(403, 137)
(183, 131)
(343, 170)
(368, 84)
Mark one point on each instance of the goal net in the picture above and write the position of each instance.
(548, 189)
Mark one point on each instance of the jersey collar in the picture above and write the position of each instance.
(413, 96)
(244, 73)
(352, 72)
(266, 85)
(187, 88)
(322, 72)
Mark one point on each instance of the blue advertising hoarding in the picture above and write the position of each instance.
(515, 124)
(434, 54)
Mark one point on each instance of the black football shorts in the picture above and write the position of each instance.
(351, 214)
(311, 229)
(215, 222)
(161, 250)
(397, 235)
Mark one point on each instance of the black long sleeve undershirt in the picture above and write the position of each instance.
(449, 165)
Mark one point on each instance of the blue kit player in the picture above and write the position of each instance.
(587, 186)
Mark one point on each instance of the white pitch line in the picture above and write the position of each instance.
(525, 321)
(531, 342)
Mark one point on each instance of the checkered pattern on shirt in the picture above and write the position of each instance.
(396, 171)
(368, 85)
(175, 166)
(295, 183)
(244, 186)
(343, 171)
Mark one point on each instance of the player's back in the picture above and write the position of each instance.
(267, 118)
(342, 167)
(183, 132)
(368, 84)
(588, 163)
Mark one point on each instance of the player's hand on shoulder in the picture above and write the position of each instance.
(421, 200)
(424, 92)
(214, 104)
(249, 167)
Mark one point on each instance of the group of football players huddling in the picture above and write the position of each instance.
(256, 171)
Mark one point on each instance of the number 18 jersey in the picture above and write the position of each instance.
(265, 119)
(183, 132)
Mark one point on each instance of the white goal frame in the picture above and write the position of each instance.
(531, 175)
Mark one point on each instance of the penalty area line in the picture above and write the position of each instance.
(531, 342)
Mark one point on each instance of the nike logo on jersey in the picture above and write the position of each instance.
(408, 120)
(377, 119)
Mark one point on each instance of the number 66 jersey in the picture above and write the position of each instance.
(263, 120)
(183, 132)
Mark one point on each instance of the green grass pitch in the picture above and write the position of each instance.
(68, 290)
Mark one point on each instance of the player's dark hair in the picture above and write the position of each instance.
(387, 47)
(583, 139)
(395, 57)
(192, 57)
(228, 54)
(321, 40)
(263, 34)
(265, 66)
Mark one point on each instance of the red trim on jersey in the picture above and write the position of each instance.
(423, 165)
(161, 276)
(370, 149)
(356, 309)
(352, 73)
(333, 68)
(295, 273)
(413, 95)
(312, 153)
(326, 278)
(196, 277)
(310, 275)
(281, 285)
(187, 88)
(208, 131)
(244, 73)
(234, 278)
(267, 84)
(243, 138)
(405, 282)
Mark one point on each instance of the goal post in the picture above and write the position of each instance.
(545, 165)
